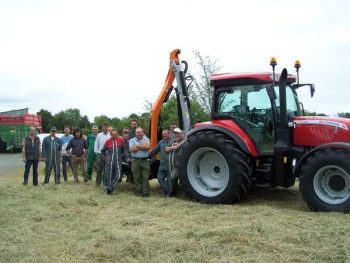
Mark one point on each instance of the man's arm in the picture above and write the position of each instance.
(24, 152)
(85, 148)
(43, 152)
(144, 146)
(169, 149)
(96, 144)
(68, 147)
(154, 151)
(133, 148)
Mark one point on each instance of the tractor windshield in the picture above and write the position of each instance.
(250, 106)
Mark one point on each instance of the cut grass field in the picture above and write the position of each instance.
(79, 223)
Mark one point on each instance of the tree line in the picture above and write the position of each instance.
(74, 118)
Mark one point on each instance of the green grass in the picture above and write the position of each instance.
(79, 223)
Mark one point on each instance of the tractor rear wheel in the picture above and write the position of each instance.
(325, 181)
(212, 168)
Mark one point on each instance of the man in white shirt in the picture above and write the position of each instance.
(101, 138)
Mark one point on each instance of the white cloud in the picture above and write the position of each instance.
(107, 57)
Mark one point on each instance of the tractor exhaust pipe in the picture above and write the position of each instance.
(283, 175)
(283, 99)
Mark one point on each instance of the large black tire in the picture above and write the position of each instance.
(212, 168)
(325, 180)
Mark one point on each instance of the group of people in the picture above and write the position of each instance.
(108, 152)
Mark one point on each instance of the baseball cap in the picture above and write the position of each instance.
(94, 127)
(178, 130)
(53, 129)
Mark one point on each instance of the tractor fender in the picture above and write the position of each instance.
(244, 143)
(301, 161)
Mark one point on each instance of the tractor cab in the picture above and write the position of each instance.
(251, 100)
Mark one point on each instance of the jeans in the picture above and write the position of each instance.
(29, 163)
(163, 178)
(65, 160)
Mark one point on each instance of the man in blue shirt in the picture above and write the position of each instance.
(138, 147)
(66, 158)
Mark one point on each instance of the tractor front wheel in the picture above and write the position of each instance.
(212, 168)
(325, 181)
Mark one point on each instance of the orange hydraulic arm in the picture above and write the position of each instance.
(175, 72)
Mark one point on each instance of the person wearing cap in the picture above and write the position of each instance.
(66, 158)
(163, 175)
(77, 148)
(138, 147)
(101, 138)
(51, 153)
(179, 139)
(91, 156)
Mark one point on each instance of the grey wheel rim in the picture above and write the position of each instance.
(332, 184)
(208, 172)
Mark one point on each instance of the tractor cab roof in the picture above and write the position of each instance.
(234, 79)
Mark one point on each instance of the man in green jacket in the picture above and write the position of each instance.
(91, 158)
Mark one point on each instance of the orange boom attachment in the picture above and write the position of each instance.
(175, 71)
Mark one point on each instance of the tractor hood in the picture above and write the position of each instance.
(317, 130)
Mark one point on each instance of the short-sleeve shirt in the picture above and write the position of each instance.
(141, 153)
(65, 139)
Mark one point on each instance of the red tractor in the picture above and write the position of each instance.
(258, 136)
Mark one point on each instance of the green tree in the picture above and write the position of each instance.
(72, 118)
(46, 120)
(169, 113)
(344, 115)
(99, 120)
(313, 113)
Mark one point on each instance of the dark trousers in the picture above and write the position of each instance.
(29, 163)
(65, 160)
(54, 164)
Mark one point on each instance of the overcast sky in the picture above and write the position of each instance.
(107, 57)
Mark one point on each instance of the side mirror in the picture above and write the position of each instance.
(312, 90)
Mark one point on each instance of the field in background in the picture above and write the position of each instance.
(79, 223)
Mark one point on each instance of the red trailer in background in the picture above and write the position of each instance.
(14, 126)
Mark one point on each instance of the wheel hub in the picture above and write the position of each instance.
(337, 183)
(208, 171)
(217, 169)
(332, 184)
